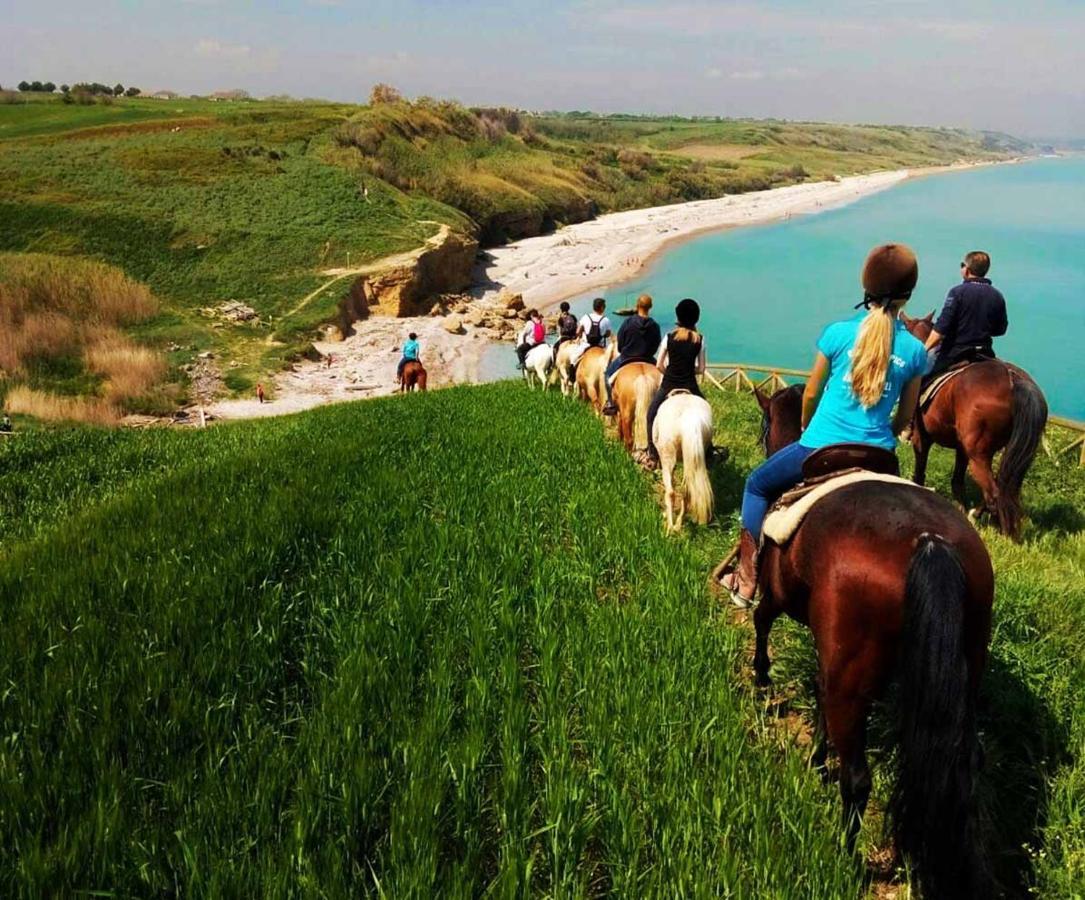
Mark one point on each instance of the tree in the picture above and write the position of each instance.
(132, 92)
(384, 93)
(36, 87)
(64, 88)
(48, 87)
(118, 89)
(24, 86)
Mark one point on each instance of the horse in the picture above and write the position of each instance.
(781, 417)
(634, 386)
(537, 365)
(591, 372)
(562, 362)
(683, 432)
(414, 376)
(892, 580)
(989, 406)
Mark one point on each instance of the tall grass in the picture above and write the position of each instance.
(60, 316)
(403, 646)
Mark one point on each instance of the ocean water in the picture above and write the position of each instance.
(766, 292)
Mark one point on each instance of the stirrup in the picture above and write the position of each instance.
(729, 582)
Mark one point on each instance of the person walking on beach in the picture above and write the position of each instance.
(973, 313)
(592, 331)
(533, 334)
(863, 366)
(260, 392)
(681, 360)
(411, 351)
(638, 341)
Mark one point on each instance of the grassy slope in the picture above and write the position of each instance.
(288, 658)
(249, 201)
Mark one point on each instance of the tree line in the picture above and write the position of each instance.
(92, 88)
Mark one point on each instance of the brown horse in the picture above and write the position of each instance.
(414, 376)
(989, 406)
(590, 372)
(634, 386)
(892, 581)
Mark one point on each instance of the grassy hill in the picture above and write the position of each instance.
(405, 645)
(207, 202)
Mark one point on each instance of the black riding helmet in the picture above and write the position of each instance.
(688, 312)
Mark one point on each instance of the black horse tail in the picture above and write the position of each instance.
(932, 809)
(1029, 420)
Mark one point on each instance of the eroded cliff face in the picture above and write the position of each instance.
(408, 286)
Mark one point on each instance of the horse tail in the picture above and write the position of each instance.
(1029, 420)
(931, 809)
(642, 399)
(698, 487)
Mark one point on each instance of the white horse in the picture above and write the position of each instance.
(683, 432)
(537, 365)
(566, 352)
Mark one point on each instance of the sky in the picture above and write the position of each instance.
(1010, 66)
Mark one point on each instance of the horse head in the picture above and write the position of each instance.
(781, 417)
(919, 328)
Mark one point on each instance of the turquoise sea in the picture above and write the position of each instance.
(766, 292)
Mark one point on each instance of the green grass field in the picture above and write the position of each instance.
(415, 645)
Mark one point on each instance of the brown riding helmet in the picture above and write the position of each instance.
(890, 272)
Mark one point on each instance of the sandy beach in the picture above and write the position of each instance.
(588, 256)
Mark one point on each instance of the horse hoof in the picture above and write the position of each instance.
(762, 680)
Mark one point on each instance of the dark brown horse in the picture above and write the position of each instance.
(893, 582)
(989, 406)
(414, 376)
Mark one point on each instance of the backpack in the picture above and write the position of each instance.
(567, 326)
(539, 332)
(595, 333)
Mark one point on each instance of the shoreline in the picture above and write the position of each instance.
(592, 255)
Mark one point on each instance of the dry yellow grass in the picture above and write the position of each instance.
(55, 308)
(712, 152)
(23, 400)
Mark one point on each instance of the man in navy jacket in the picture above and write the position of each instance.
(638, 340)
(973, 314)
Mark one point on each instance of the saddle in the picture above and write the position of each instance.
(931, 389)
(824, 471)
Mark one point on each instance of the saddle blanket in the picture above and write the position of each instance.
(783, 521)
(928, 393)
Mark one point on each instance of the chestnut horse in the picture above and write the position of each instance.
(634, 386)
(989, 406)
(893, 581)
(590, 372)
(414, 376)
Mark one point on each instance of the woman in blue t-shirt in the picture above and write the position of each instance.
(863, 367)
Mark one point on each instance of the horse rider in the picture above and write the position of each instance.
(533, 334)
(592, 330)
(863, 366)
(681, 360)
(638, 341)
(566, 327)
(411, 351)
(974, 312)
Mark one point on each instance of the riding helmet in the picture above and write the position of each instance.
(890, 272)
(687, 312)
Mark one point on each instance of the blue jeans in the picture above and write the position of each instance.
(768, 482)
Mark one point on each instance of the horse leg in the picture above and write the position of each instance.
(845, 718)
(960, 466)
(763, 617)
(820, 754)
(667, 471)
(922, 448)
(980, 467)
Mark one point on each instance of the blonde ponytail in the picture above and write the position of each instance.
(870, 356)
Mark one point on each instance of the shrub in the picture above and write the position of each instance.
(384, 93)
(26, 401)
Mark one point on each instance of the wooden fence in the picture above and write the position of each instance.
(745, 377)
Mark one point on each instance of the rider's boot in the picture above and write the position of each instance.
(742, 581)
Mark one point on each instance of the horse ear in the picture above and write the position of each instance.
(929, 317)
(762, 400)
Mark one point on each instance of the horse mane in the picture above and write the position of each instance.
(766, 419)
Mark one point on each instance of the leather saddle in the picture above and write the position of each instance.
(835, 459)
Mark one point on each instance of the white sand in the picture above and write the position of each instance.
(546, 270)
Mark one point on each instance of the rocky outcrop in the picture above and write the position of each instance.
(439, 268)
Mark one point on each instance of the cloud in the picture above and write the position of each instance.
(713, 73)
(212, 49)
(748, 75)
